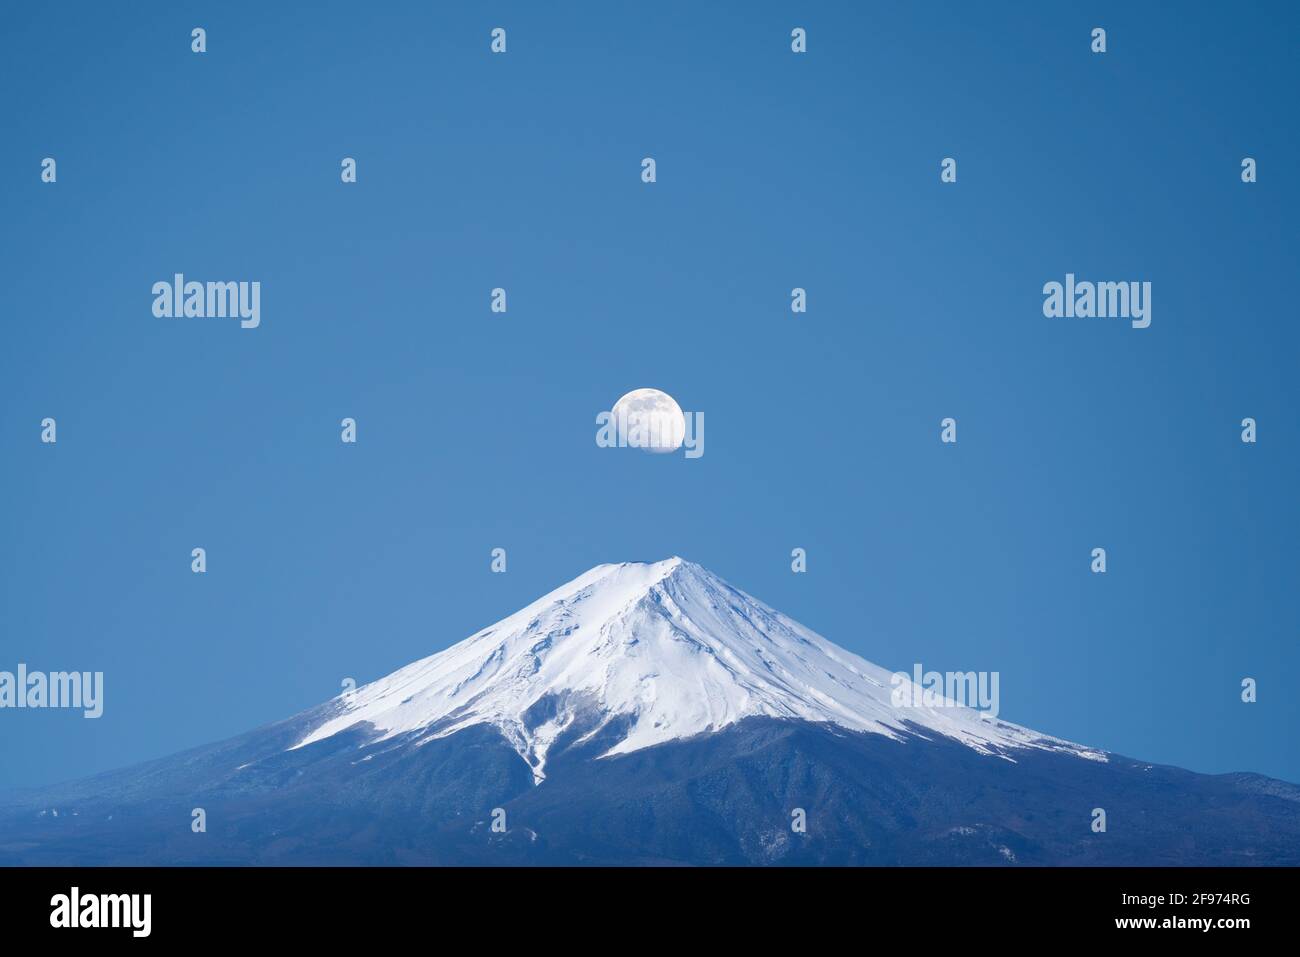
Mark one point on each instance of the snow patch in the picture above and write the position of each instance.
(665, 649)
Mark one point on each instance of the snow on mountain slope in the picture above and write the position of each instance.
(666, 650)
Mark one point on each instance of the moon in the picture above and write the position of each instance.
(650, 420)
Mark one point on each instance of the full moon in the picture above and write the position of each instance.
(649, 419)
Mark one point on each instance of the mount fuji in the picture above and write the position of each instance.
(649, 713)
(648, 653)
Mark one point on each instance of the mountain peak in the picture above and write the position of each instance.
(642, 653)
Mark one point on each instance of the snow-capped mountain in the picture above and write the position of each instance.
(664, 650)
(648, 714)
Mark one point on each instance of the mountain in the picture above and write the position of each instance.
(647, 653)
(649, 714)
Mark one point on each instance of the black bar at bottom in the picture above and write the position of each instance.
(340, 905)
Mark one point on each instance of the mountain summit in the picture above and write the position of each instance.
(648, 653)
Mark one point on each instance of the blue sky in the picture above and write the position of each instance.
(476, 430)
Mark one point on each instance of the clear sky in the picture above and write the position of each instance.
(476, 430)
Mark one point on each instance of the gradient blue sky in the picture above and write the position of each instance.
(822, 431)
